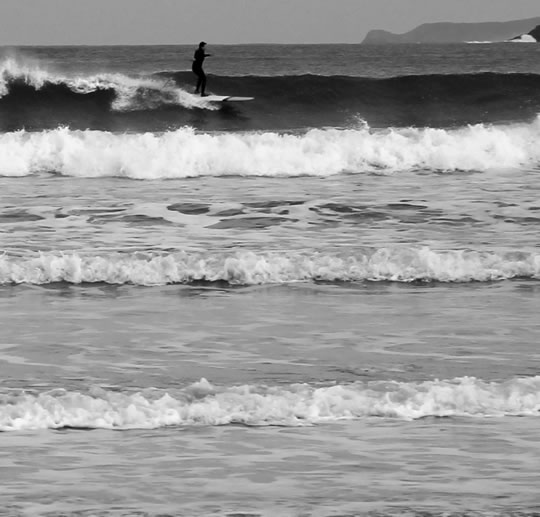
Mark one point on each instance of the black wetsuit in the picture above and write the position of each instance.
(198, 60)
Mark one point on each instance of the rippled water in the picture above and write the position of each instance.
(494, 210)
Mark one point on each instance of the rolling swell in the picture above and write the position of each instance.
(36, 100)
(416, 100)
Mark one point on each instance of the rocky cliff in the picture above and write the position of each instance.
(444, 32)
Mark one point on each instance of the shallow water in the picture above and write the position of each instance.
(344, 469)
(167, 337)
(129, 338)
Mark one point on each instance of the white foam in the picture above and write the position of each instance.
(156, 92)
(320, 152)
(248, 268)
(296, 405)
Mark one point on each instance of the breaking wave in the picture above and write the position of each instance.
(404, 265)
(296, 405)
(36, 99)
(118, 92)
(318, 152)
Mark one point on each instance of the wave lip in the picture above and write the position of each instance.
(403, 265)
(318, 152)
(297, 405)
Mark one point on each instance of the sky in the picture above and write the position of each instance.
(131, 22)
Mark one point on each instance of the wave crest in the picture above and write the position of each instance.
(247, 268)
(296, 405)
(319, 152)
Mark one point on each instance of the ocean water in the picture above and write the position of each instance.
(323, 302)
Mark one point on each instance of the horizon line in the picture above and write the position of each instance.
(389, 44)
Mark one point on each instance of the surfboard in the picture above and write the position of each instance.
(227, 98)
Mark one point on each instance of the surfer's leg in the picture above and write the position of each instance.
(202, 79)
(197, 71)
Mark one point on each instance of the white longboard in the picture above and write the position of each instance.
(227, 98)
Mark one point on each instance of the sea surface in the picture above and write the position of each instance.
(323, 302)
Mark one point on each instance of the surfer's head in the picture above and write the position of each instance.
(202, 44)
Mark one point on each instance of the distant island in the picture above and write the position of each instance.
(445, 32)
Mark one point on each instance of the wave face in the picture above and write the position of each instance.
(297, 405)
(436, 100)
(34, 99)
(247, 268)
(318, 152)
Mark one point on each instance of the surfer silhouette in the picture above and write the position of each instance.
(198, 59)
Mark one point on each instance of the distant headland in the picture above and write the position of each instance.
(531, 37)
(445, 32)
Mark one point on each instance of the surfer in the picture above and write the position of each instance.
(198, 59)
